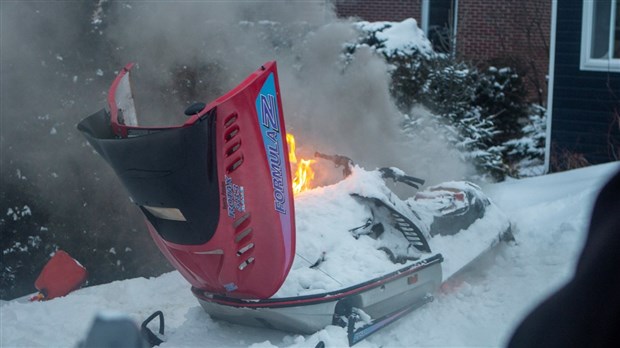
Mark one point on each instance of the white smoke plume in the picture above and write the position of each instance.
(58, 59)
(56, 71)
(331, 106)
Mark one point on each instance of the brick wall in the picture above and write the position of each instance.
(515, 32)
(509, 32)
(384, 10)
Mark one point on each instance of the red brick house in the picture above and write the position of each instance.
(503, 32)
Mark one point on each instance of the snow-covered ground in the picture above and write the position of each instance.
(550, 215)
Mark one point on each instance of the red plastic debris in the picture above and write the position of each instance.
(61, 275)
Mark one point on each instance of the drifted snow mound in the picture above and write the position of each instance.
(551, 214)
(403, 38)
(325, 217)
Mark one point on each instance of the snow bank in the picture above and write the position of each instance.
(550, 215)
(404, 38)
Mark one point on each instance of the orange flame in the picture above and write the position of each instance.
(304, 174)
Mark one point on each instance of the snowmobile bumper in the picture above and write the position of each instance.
(384, 299)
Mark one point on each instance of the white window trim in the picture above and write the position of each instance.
(425, 11)
(587, 63)
(554, 25)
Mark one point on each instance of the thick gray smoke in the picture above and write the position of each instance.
(51, 77)
(331, 106)
(59, 58)
(56, 70)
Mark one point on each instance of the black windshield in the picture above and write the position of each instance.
(167, 168)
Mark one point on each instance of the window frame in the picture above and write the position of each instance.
(597, 64)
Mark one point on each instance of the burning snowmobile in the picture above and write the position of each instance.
(217, 195)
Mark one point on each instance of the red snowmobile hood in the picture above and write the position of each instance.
(216, 190)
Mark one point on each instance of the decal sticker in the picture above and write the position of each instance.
(230, 287)
(269, 120)
(235, 197)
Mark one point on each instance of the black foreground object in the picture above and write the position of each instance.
(147, 334)
(586, 311)
(390, 173)
(113, 332)
(194, 109)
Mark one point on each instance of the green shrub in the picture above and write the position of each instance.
(482, 113)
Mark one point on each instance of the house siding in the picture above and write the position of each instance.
(503, 32)
(584, 102)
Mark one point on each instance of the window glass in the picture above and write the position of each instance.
(440, 24)
(600, 35)
(600, 29)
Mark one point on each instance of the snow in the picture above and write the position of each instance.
(18, 213)
(337, 212)
(331, 241)
(399, 37)
(481, 307)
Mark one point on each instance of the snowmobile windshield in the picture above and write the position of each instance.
(121, 104)
(123, 116)
(170, 173)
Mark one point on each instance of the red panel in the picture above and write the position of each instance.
(253, 248)
(61, 275)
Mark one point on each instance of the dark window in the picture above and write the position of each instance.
(441, 24)
(600, 29)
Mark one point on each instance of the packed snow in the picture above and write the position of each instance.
(346, 260)
(399, 37)
(549, 215)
